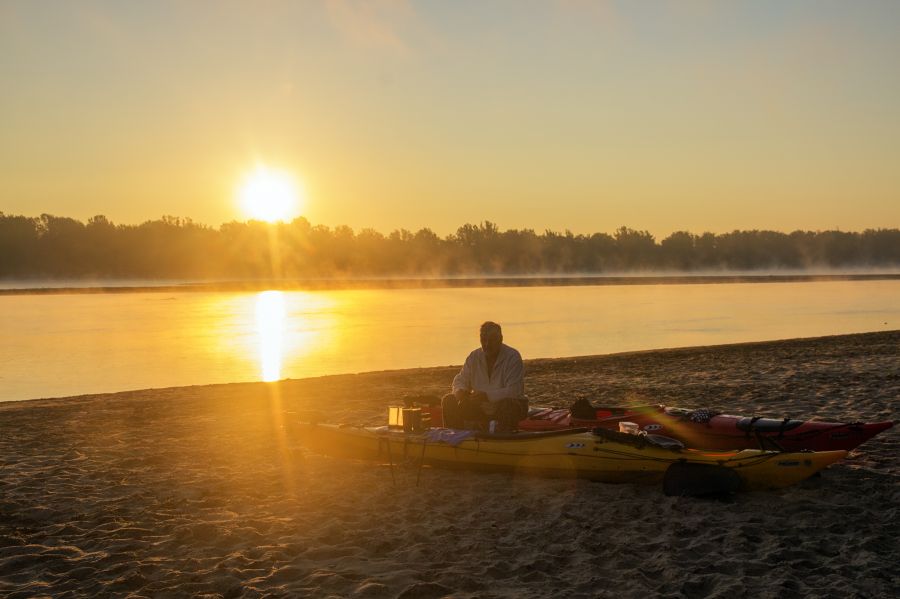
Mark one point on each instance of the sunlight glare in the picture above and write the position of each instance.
(271, 321)
(270, 195)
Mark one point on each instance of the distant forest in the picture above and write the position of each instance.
(177, 248)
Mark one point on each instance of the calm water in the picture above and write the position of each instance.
(61, 345)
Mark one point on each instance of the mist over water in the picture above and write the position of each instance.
(67, 344)
(575, 278)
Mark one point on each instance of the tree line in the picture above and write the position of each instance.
(178, 248)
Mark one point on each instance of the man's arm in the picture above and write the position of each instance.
(462, 382)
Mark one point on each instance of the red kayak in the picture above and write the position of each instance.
(710, 430)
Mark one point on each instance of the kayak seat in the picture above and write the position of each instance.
(766, 425)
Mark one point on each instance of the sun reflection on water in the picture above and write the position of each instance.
(271, 323)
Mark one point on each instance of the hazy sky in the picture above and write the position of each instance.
(705, 116)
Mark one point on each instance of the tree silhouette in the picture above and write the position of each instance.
(178, 248)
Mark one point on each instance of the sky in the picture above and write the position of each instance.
(556, 114)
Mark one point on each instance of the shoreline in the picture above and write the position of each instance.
(206, 491)
(538, 364)
(322, 284)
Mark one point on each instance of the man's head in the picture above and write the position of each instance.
(491, 338)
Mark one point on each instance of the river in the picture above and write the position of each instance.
(55, 345)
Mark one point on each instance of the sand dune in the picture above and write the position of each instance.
(203, 491)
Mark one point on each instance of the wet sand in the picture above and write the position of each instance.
(204, 491)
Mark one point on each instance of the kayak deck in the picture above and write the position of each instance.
(718, 431)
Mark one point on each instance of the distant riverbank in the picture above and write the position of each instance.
(12, 287)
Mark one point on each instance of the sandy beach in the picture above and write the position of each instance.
(204, 491)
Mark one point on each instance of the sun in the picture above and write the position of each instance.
(269, 194)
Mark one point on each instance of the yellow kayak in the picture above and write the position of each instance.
(599, 455)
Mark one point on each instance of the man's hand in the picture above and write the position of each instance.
(479, 396)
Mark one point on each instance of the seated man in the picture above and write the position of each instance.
(490, 386)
